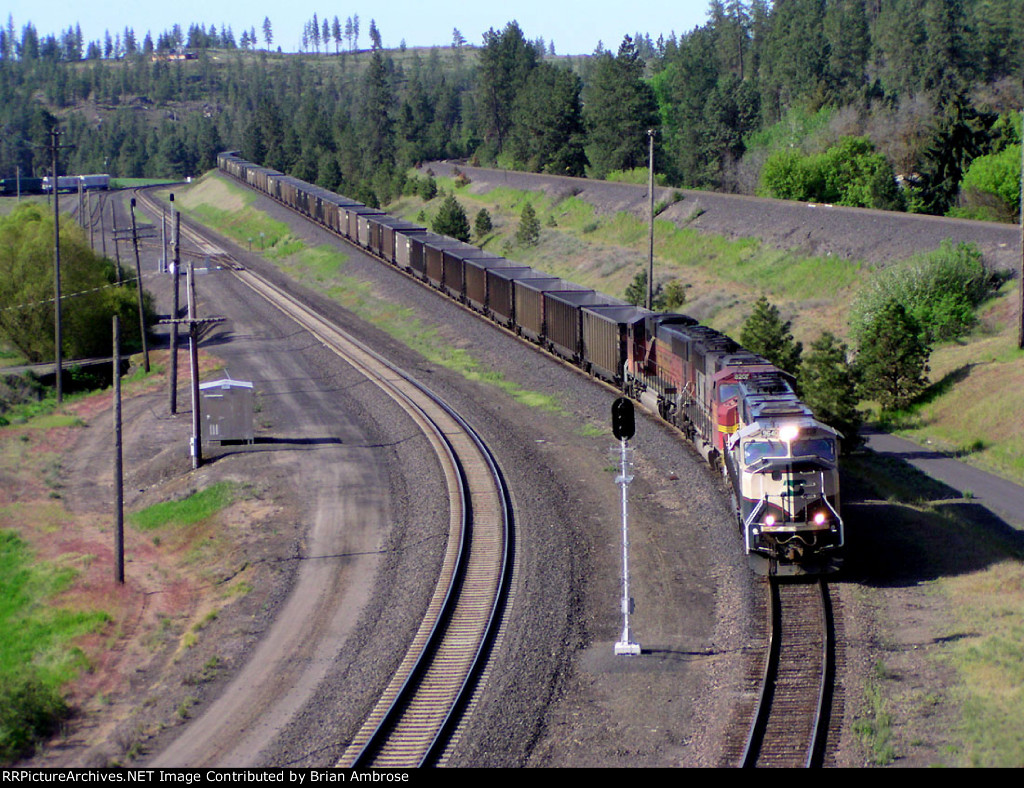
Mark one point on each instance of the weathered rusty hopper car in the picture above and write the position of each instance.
(455, 268)
(433, 257)
(501, 298)
(475, 274)
(563, 319)
(384, 232)
(529, 297)
(606, 331)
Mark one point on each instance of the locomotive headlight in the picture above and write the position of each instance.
(789, 432)
(819, 518)
(769, 520)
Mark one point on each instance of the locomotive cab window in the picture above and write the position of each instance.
(815, 447)
(758, 450)
(727, 391)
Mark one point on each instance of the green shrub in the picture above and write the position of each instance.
(892, 358)
(850, 173)
(482, 224)
(991, 187)
(636, 175)
(451, 220)
(528, 232)
(940, 290)
(29, 712)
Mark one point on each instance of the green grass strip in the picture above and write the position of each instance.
(36, 651)
(195, 508)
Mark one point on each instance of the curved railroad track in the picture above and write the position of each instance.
(415, 718)
(793, 712)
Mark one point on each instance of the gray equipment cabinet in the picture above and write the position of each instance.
(227, 408)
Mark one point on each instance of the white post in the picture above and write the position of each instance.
(625, 646)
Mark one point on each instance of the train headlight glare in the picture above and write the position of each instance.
(819, 518)
(769, 520)
(789, 432)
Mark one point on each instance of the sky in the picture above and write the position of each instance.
(575, 26)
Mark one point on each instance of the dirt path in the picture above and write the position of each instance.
(346, 510)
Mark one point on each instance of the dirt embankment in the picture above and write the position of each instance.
(875, 237)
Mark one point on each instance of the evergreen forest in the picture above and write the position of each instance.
(898, 104)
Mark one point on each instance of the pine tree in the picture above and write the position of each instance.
(482, 224)
(892, 360)
(767, 334)
(829, 387)
(619, 107)
(451, 220)
(636, 293)
(506, 60)
(548, 132)
(528, 233)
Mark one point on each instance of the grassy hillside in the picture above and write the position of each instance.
(968, 410)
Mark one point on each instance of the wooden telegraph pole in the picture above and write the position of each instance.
(138, 282)
(175, 266)
(118, 472)
(194, 324)
(57, 338)
(1020, 331)
(650, 216)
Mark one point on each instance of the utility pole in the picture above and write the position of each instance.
(117, 248)
(650, 215)
(138, 282)
(175, 266)
(193, 357)
(58, 338)
(1020, 331)
(118, 471)
(194, 324)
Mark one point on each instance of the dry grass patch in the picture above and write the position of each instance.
(988, 604)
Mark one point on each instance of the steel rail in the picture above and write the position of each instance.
(791, 721)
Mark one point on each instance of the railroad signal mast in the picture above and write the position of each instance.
(623, 428)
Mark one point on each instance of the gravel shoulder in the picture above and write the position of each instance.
(330, 455)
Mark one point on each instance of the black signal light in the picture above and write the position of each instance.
(623, 420)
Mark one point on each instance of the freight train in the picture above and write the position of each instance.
(65, 183)
(739, 411)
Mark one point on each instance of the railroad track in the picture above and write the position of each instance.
(415, 718)
(793, 712)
